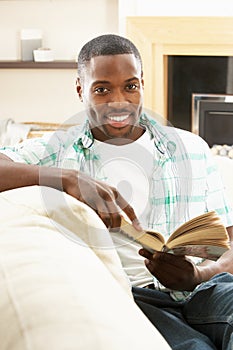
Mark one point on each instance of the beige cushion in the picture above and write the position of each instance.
(58, 293)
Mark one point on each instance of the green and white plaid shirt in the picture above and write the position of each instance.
(184, 183)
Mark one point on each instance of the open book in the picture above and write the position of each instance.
(203, 236)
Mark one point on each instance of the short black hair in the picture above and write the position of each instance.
(104, 45)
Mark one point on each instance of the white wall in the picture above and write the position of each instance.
(48, 95)
(172, 8)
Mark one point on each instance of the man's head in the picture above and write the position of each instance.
(110, 83)
(106, 45)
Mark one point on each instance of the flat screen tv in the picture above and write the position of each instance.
(212, 118)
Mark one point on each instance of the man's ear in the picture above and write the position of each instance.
(79, 89)
(142, 80)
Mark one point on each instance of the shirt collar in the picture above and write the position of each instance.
(155, 130)
(86, 138)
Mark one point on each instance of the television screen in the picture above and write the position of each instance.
(216, 122)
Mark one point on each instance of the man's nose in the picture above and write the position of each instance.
(118, 98)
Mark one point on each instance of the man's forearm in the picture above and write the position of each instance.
(104, 199)
(224, 264)
(15, 175)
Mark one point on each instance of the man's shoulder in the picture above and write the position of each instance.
(70, 134)
(188, 138)
(76, 129)
(186, 141)
(171, 130)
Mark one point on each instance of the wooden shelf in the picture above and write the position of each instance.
(38, 65)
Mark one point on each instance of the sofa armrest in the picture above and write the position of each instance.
(60, 288)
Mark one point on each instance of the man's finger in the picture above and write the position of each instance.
(146, 254)
(129, 211)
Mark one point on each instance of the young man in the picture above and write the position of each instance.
(123, 160)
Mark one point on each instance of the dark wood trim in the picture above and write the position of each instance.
(38, 65)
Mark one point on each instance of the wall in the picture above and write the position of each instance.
(48, 95)
(172, 8)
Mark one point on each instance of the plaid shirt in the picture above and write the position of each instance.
(184, 183)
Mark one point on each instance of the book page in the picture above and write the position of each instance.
(208, 235)
(206, 220)
(148, 239)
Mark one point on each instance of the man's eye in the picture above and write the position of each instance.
(132, 86)
(100, 90)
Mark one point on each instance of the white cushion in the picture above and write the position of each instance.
(225, 166)
(58, 293)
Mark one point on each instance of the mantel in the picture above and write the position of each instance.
(17, 64)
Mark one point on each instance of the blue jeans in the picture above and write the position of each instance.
(202, 322)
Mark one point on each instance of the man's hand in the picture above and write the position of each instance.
(104, 199)
(173, 271)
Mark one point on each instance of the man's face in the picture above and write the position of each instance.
(112, 91)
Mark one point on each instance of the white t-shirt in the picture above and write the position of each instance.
(129, 168)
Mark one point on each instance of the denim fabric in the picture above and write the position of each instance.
(203, 322)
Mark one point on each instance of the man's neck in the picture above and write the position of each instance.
(99, 135)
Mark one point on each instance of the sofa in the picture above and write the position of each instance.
(225, 167)
(61, 281)
(62, 284)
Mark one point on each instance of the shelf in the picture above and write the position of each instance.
(38, 65)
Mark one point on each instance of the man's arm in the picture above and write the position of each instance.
(180, 273)
(102, 198)
(224, 264)
(15, 175)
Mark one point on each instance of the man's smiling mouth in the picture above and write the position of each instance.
(118, 118)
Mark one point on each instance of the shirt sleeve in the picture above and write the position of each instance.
(217, 198)
(38, 151)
